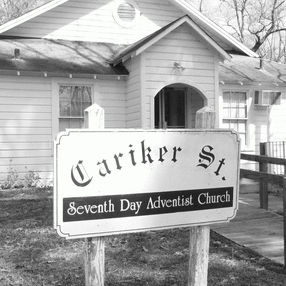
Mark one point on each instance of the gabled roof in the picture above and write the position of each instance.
(213, 30)
(143, 44)
(247, 70)
(58, 57)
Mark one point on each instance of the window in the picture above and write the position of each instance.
(235, 112)
(73, 100)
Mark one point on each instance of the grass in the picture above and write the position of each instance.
(31, 253)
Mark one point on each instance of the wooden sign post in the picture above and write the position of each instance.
(200, 235)
(94, 253)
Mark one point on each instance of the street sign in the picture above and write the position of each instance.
(117, 181)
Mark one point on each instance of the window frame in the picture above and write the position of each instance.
(237, 119)
(79, 117)
(56, 101)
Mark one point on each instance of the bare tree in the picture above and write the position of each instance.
(201, 3)
(259, 24)
(11, 9)
(254, 21)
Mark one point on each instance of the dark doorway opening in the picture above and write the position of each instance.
(170, 108)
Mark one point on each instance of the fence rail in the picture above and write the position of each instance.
(265, 178)
(263, 159)
(261, 175)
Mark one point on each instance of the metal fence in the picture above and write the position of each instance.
(277, 150)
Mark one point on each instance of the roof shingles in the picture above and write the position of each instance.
(43, 55)
(248, 69)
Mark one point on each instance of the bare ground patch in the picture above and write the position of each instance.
(31, 252)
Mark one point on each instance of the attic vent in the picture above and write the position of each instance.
(126, 13)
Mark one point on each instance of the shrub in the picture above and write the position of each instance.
(31, 180)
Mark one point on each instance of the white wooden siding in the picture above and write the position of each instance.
(26, 111)
(133, 94)
(89, 20)
(25, 126)
(186, 49)
(277, 120)
(112, 100)
(261, 126)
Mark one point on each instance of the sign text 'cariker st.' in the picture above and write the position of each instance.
(81, 178)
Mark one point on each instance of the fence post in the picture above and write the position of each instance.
(284, 156)
(284, 218)
(94, 246)
(263, 187)
(200, 235)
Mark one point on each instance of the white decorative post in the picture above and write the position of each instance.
(94, 246)
(94, 117)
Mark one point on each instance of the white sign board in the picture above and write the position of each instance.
(116, 181)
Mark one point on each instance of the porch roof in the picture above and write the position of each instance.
(138, 47)
(58, 56)
(243, 69)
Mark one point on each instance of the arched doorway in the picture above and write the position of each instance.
(176, 106)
